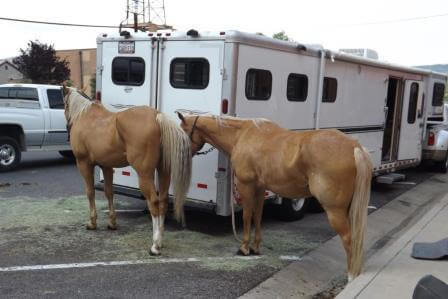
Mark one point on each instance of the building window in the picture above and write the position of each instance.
(128, 71)
(55, 98)
(258, 84)
(437, 94)
(413, 98)
(297, 88)
(189, 73)
(330, 90)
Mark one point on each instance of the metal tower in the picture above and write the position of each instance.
(146, 15)
(157, 12)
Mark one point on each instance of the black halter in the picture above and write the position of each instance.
(191, 138)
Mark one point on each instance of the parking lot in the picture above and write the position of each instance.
(45, 249)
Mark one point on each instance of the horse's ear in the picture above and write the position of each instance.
(65, 89)
(181, 117)
(84, 90)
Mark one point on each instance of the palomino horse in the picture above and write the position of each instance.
(141, 137)
(325, 164)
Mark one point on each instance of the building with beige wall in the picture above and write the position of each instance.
(82, 64)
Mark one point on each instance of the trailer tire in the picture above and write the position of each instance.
(443, 165)
(67, 154)
(314, 206)
(10, 154)
(292, 209)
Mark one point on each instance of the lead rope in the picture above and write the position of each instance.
(233, 209)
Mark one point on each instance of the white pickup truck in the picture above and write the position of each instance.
(31, 119)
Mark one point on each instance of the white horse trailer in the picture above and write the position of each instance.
(300, 87)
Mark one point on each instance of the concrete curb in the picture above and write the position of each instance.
(383, 258)
(322, 272)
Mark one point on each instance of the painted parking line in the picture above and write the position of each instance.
(122, 263)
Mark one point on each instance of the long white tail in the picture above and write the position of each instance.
(176, 157)
(358, 209)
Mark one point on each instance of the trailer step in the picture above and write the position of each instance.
(390, 178)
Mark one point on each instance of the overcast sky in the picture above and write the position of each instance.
(334, 24)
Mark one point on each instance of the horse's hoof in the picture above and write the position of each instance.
(90, 227)
(154, 252)
(253, 252)
(241, 253)
(110, 227)
(151, 253)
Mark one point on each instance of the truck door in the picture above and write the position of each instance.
(126, 74)
(56, 129)
(411, 121)
(190, 76)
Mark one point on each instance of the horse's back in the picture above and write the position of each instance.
(140, 133)
(136, 123)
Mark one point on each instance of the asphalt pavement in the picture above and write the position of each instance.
(45, 250)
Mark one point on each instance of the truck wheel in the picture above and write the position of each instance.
(67, 154)
(10, 154)
(292, 209)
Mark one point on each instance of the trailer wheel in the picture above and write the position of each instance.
(443, 165)
(67, 154)
(10, 154)
(314, 206)
(293, 209)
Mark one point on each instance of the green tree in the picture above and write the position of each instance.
(40, 64)
(281, 36)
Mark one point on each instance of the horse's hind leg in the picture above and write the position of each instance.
(108, 191)
(86, 170)
(146, 183)
(258, 213)
(164, 185)
(247, 193)
(335, 198)
(339, 221)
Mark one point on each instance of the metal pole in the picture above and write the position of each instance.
(319, 89)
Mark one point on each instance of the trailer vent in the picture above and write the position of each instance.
(366, 53)
(193, 33)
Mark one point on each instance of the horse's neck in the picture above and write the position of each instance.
(221, 134)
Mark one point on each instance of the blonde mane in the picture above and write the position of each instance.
(77, 105)
(221, 119)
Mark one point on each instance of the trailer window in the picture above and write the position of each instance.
(189, 73)
(297, 88)
(128, 71)
(330, 90)
(413, 98)
(55, 98)
(438, 93)
(258, 84)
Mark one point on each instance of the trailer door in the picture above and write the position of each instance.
(126, 78)
(190, 77)
(410, 146)
(127, 81)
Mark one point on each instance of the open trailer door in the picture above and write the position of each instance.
(410, 145)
